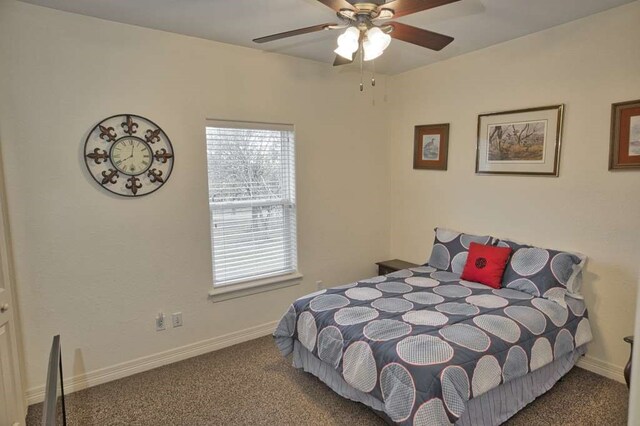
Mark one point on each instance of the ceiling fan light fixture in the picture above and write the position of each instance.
(345, 53)
(379, 38)
(371, 52)
(348, 43)
(375, 43)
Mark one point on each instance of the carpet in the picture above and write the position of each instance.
(252, 384)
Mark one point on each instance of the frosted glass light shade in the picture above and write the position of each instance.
(348, 43)
(371, 52)
(376, 42)
(346, 53)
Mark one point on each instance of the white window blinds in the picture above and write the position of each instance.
(252, 200)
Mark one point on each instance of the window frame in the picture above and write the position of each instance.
(260, 283)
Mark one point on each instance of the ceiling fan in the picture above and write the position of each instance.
(368, 29)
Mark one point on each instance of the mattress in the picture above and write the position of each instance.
(424, 343)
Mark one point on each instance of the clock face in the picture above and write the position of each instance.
(129, 155)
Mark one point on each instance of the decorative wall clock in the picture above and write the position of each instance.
(129, 155)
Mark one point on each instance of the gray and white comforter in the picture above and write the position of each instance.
(424, 342)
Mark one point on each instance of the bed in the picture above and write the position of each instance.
(421, 346)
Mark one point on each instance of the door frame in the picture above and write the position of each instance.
(8, 277)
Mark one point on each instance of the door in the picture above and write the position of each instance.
(12, 406)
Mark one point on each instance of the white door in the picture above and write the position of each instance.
(12, 407)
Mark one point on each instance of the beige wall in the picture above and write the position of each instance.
(98, 268)
(587, 65)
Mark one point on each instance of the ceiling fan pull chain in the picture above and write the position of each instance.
(361, 71)
(373, 75)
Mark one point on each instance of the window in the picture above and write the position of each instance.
(252, 201)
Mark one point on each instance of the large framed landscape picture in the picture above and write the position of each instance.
(625, 136)
(431, 146)
(520, 142)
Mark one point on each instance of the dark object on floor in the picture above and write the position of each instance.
(53, 405)
(252, 384)
(627, 368)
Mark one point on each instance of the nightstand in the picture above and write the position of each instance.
(389, 266)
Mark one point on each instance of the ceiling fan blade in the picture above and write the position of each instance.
(344, 61)
(414, 35)
(337, 5)
(341, 61)
(292, 33)
(407, 7)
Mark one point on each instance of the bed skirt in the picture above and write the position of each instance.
(492, 408)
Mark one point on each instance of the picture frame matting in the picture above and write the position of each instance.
(431, 146)
(520, 142)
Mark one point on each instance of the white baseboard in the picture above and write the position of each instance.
(128, 368)
(602, 368)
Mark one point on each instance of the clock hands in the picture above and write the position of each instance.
(131, 156)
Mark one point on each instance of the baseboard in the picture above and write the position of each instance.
(128, 368)
(93, 378)
(602, 368)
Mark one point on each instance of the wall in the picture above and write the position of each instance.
(97, 268)
(587, 65)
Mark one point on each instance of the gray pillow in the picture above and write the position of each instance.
(451, 248)
(543, 272)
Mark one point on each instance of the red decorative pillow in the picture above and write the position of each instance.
(486, 264)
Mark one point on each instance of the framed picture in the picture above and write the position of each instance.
(625, 136)
(430, 147)
(521, 142)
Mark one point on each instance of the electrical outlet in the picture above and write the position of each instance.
(319, 285)
(160, 324)
(176, 318)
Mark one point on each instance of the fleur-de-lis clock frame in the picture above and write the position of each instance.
(129, 155)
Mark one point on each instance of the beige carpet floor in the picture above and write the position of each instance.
(252, 384)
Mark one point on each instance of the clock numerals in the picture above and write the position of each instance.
(131, 155)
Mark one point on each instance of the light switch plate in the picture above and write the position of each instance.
(176, 319)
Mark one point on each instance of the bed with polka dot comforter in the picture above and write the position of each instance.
(423, 342)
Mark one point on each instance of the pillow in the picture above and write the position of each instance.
(544, 272)
(450, 249)
(486, 264)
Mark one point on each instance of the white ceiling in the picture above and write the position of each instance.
(474, 23)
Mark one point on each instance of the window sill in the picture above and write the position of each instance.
(233, 291)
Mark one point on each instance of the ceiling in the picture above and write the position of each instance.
(475, 24)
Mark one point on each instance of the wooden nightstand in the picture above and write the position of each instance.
(389, 266)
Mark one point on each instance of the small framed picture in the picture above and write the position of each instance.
(521, 142)
(625, 136)
(430, 147)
